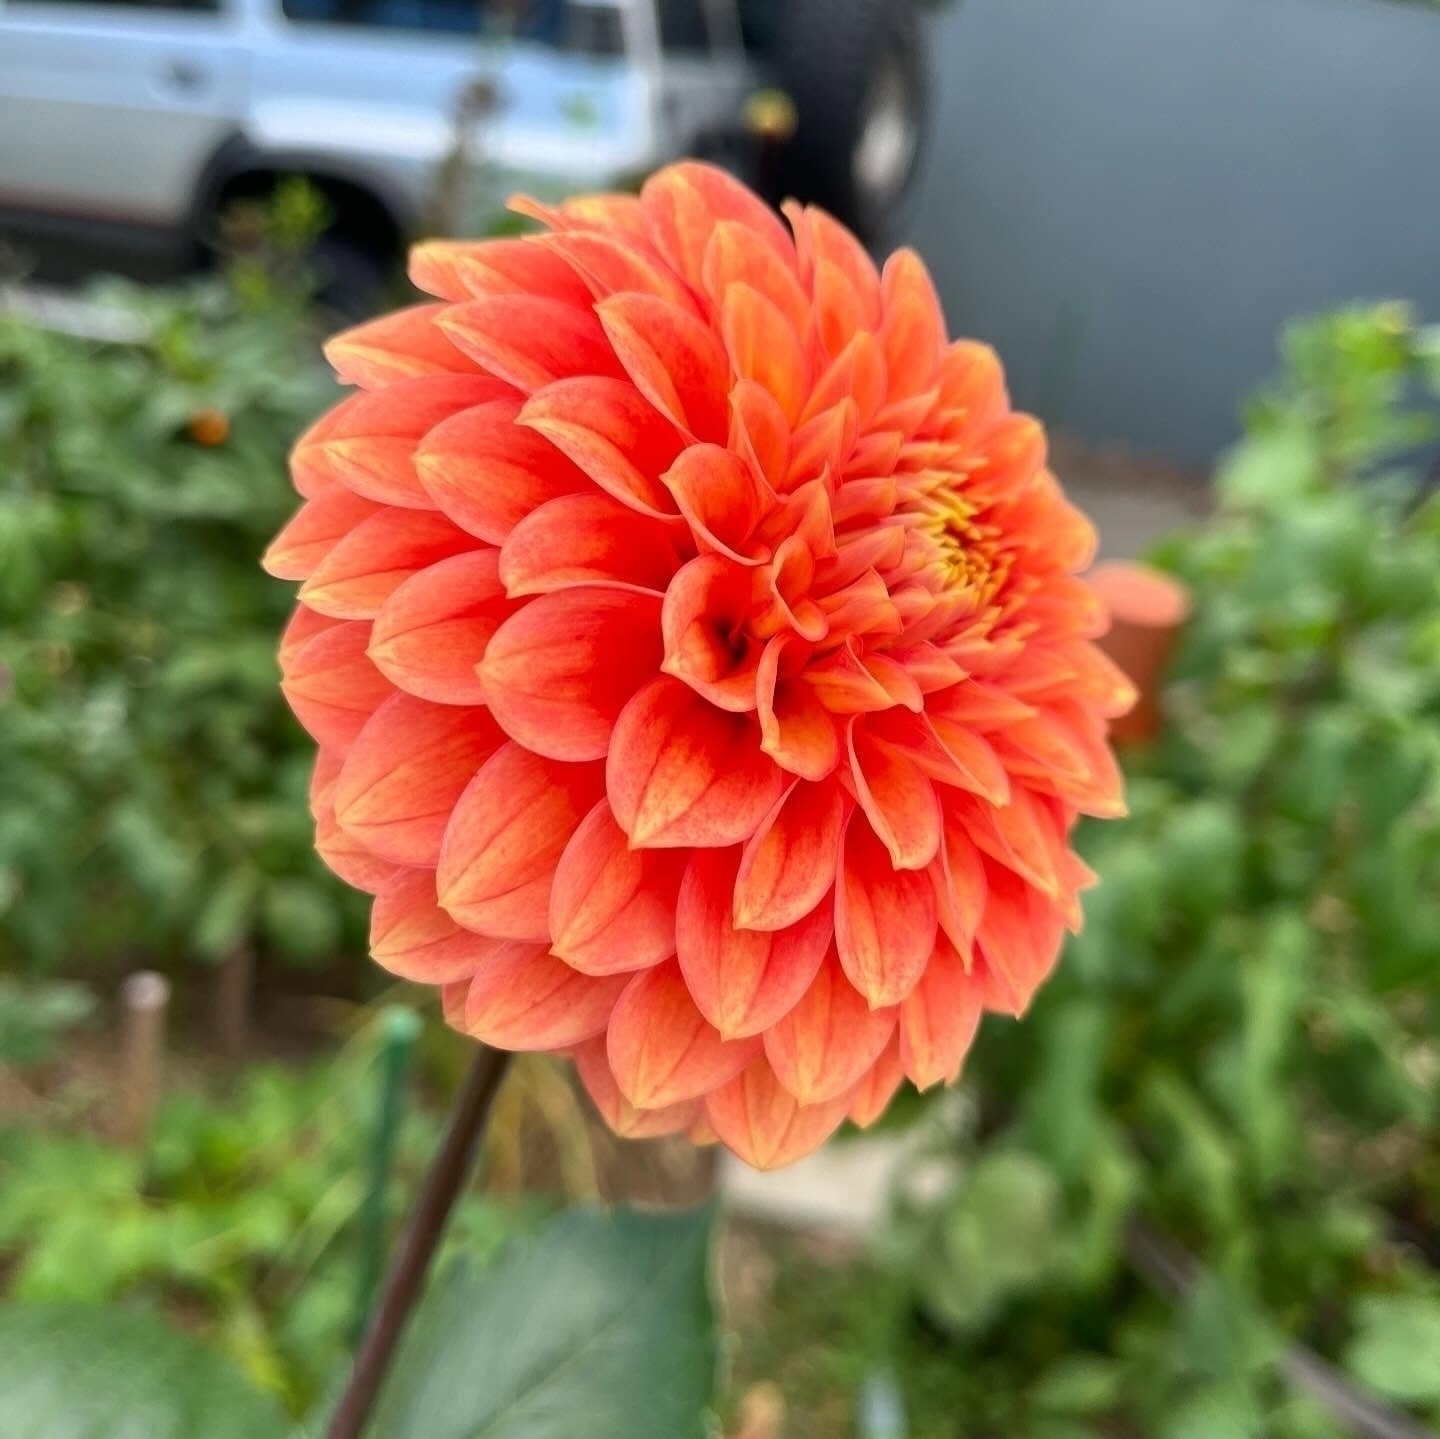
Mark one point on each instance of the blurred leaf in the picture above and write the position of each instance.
(1271, 469)
(1084, 1384)
(1273, 988)
(606, 1316)
(35, 1017)
(998, 1236)
(77, 1372)
(1396, 1349)
(224, 921)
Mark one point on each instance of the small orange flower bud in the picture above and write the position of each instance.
(209, 427)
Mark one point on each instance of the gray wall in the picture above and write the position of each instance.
(1128, 197)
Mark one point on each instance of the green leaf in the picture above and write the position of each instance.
(1396, 1350)
(225, 918)
(1273, 988)
(1082, 1384)
(602, 1323)
(998, 1237)
(1271, 470)
(301, 920)
(34, 1017)
(86, 1372)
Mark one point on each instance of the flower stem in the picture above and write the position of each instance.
(403, 1284)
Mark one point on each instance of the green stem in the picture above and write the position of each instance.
(400, 1029)
(443, 1184)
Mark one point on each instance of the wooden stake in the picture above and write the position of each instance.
(144, 1001)
(234, 986)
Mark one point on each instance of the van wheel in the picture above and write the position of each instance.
(350, 281)
(856, 72)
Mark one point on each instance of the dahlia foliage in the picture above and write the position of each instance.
(702, 681)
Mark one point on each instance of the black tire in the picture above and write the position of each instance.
(351, 282)
(854, 67)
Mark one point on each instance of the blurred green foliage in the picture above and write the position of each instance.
(36, 1017)
(154, 782)
(243, 1213)
(1235, 1065)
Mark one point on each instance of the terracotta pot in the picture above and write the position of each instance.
(1147, 611)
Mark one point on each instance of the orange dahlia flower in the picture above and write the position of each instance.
(702, 681)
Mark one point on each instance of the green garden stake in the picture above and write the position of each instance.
(399, 1031)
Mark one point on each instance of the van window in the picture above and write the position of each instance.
(448, 17)
(194, 7)
(683, 27)
(591, 29)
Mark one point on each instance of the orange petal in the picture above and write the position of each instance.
(822, 1048)
(733, 258)
(356, 578)
(1021, 835)
(898, 800)
(1017, 943)
(369, 444)
(404, 773)
(885, 919)
(332, 686)
(530, 340)
(857, 373)
(848, 684)
(764, 346)
(523, 998)
(871, 1097)
(913, 330)
(702, 625)
(958, 876)
(585, 212)
(505, 838)
(470, 269)
(592, 1064)
(682, 773)
(939, 1020)
(313, 531)
(972, 389)
(412, 937)
(742, 980)
(558, 673)
(789, 864)
(323, 774)
(612, 908)
(820, 446)
(302, 627)
(662, 1050)
(587, 539)
(352, 862)
(797, 731)
(980, 706)
(758, 1119)
(676, 362)
(685, 203)
(759, 432)
(971, 760)
(719, 494)
(431, 634)
(400, 346)
(487, 472)
(609, 430)
(612, 264)
(821, 240)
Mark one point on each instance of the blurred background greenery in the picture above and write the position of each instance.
(1196, 1195)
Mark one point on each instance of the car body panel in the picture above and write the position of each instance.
(112, 110)
(119, 112)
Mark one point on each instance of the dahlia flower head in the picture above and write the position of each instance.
(702, 678)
